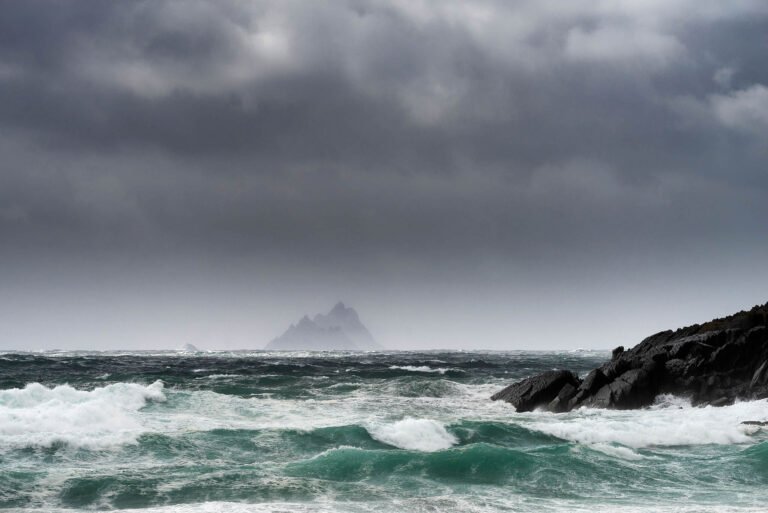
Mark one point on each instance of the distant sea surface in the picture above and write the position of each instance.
(353, 432)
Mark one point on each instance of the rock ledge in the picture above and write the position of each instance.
(713, 363)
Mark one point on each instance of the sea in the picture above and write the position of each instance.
(250, 431)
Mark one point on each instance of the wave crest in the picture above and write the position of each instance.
(39, 416)
(415, 435)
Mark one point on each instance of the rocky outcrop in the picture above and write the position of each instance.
(714, 363)
(542, 389)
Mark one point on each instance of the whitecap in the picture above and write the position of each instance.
(419, 368)
(415, 435)
(39, 416)
(670, 422)
(617, 451)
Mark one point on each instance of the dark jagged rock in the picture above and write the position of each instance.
(540, 390)
(564, 396)
(714, 363)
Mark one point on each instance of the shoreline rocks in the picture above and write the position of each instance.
(714, 363)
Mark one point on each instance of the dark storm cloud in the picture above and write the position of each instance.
(480, 136)
(389, 87)
(425, 85)
(403, 89)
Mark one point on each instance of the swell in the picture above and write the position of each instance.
(756, 458)
(348, 462)
(476, 463)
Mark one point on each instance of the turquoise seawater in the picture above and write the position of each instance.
(353, 432)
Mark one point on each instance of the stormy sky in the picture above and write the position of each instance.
(466, 174)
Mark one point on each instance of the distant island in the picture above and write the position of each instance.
(338, 329)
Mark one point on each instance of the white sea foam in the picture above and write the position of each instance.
(367, 404)
(617, 451)
(40, 416)
(419, 368)
(670, 422)
(415, 435)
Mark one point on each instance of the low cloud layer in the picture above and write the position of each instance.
(386, 149)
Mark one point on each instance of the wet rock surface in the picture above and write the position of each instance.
(542, 389)
(713, 363)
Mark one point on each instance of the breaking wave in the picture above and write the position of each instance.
(40, 416)
(672, 422)
(415, 435)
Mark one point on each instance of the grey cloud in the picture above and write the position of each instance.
(382, 87)
(491, 81)
(746, 109)
(419, 138)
